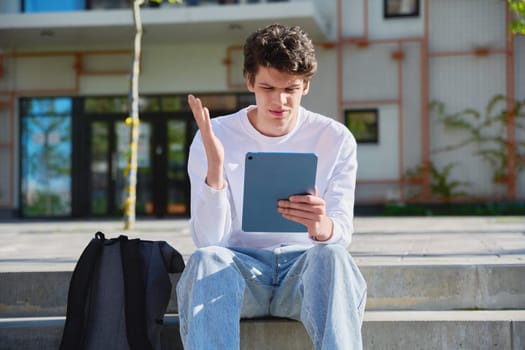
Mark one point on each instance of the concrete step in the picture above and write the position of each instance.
(394, 287)
(501, 330)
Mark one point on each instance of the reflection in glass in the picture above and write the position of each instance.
(99, 167)
(45, 157)
(177, 178)
(106, 104)
(173, 103)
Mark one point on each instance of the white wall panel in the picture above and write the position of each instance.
(322, 97)
(519, 66)
(104, 85)
(466, 24)
(44, 73)
(369, 73)
(7, 78)
(184, 68)
(236, 58)
(462, 82)
(353, 21)
(381, 161)
(167, 69)
(107, 62)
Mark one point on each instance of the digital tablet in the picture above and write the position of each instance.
(269, 177)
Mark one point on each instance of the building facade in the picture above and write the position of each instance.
(432, 90)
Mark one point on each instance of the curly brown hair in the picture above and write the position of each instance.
(287, 49)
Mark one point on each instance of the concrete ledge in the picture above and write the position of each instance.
(394, 287)
(501, 330)
(445, 287)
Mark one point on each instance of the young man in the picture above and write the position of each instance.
(233, 274)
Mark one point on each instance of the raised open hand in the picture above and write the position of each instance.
(212, 145)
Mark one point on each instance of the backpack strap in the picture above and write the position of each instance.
(135, 294)
(79, 287)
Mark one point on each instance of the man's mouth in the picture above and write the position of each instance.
(278, 112)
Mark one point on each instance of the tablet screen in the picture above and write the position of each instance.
(268, 177)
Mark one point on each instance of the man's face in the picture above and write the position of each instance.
(278, 96)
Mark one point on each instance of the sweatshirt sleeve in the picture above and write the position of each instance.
(340, 192)
(210, 222)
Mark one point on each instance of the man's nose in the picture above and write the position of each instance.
(282, 96)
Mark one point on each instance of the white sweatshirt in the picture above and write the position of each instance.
(216, 214)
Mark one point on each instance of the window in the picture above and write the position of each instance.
(364, 124)
(45, 157)
(401, 8)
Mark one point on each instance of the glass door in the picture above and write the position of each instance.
(109, 146)
(162, 181)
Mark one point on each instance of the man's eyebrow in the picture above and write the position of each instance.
(292, 85)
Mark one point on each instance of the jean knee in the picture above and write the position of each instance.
(211, 254)
(329, 252)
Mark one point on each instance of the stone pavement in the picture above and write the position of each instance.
(56, 245)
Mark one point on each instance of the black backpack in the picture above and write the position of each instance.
(118, 294)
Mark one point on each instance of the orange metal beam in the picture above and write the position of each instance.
(9, 104)
(474, 52)
(511, 120)
(367, 41)
(400, 111)
(370, 102)
(425, 120)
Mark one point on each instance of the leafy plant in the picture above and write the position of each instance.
(487, 132)
(517, 26)
(441, 184)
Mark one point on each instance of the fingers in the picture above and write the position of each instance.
(307, 207)
(291, 207)
(308, 210)
(200, 114)
(311, 199)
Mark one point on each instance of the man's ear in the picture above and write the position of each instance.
(249, 83)
(306, 87)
